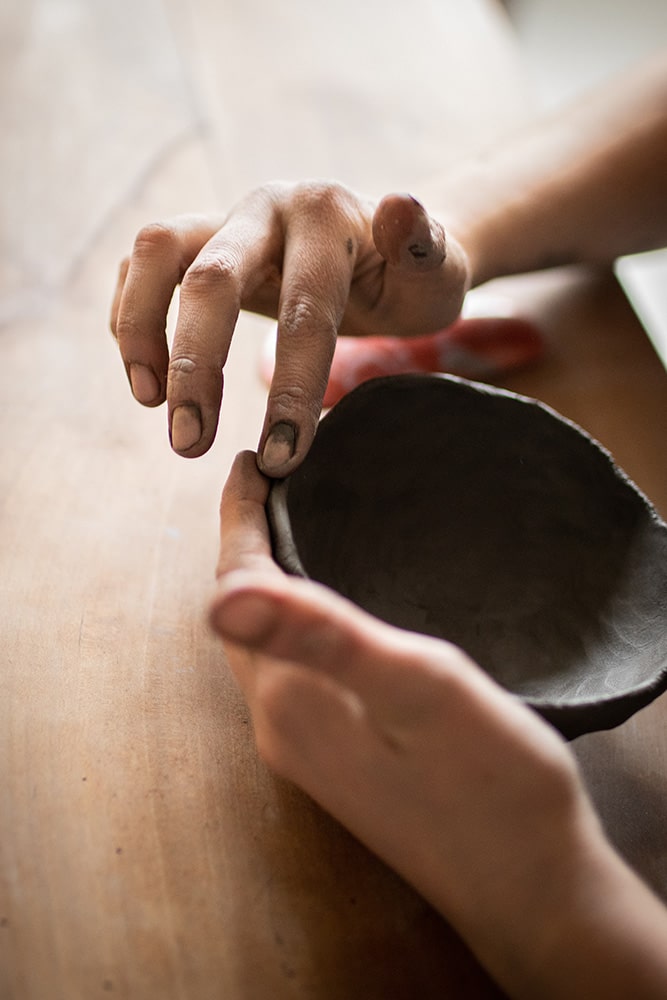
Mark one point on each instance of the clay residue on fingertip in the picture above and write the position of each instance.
(419, 251)
(186, 427)
(426, 253)
(406, 236)
(393, 223)
(279, 448)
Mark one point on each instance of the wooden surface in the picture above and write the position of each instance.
(145, 852)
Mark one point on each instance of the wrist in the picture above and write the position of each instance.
(519, 929)
(588, 927)
(476, 224)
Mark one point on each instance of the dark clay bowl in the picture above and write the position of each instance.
(473, 514)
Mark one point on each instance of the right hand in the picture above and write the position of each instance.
(314, 255)
(464, 791)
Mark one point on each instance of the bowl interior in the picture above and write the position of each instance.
(481, 517)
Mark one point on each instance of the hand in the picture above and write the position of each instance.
(453, 782)
(315, 256)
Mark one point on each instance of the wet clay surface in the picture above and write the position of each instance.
(478, 516)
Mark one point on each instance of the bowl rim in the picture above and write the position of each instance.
(567, 716)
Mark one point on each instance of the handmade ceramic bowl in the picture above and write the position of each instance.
(473, 514)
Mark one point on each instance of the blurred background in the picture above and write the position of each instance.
(93, 94)
(568, 45)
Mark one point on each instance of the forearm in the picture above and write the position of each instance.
(612, 943)
(586, 184)
(539, 894)
(592, 929)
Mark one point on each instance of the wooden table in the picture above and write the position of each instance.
(145, 852)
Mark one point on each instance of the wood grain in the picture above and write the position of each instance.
(145, 852)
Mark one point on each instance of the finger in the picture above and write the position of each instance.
(413, 688)
(244, 532)
(296, 621)
(406, 236)
(226, 275)
(161, 254)
(244, 546)
(426, 275)
(120, 285)
(307, 728)
(321, 242)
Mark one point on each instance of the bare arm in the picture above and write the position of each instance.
(588, 183)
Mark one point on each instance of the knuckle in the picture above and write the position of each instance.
(154, 239)
(209, 272)
(303, 316)
(182, 366)
(308, 317)
(294, 400)
(193, 364)
(328, 197)
(272, 193)
(128, 331)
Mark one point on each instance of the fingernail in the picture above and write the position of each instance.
(185, 427)
(279, 447)
(244, 617)
(145, 385)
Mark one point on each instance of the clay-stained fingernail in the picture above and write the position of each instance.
(145, 386)
(405, 234)
(185, 427)
(279, 447)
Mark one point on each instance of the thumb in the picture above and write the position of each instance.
(426, 275)
(406, 236)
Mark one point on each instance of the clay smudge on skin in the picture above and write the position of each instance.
(418, 251)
